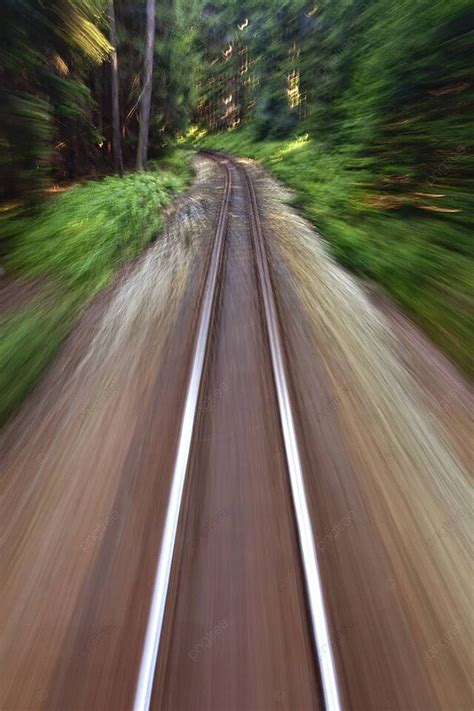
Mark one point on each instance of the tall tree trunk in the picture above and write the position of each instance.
(145, 103)
(117, 141)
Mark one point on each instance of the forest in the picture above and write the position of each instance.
(363, 108)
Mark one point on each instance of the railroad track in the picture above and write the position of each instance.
(239, 195)
(118, 595)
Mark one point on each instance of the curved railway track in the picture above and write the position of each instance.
(155, 668)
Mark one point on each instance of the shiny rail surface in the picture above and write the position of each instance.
(155, 622)
(320, 631)
(312, 575)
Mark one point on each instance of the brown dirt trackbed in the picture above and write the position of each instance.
(232, 493)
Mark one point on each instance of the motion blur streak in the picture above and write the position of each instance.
(233, 636)
(407, 463)
(76, 542)
(318, 538)
(161, 584)
(305, 532)
(88, 469)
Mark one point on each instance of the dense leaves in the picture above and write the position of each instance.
(389, 84)
(46, 50)
(365, 108)
(55, 78)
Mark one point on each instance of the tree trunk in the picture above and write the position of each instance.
(145, 103)
(117, 141)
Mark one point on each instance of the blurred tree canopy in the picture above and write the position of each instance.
(55, 86)
(388, 84)
(46, 51)
(365, 109)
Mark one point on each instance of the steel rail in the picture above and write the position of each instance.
(144, 688)
(320, 627)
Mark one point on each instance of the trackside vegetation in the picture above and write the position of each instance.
(423, 261)
(364, 108)
(73, 244)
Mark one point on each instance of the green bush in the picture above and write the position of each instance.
(82, 236)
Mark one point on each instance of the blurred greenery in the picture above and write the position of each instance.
(55, 87)
(424, 261)
(364, 108)
(75, 243)
(383, 93)
(46, 53)
(55, 130)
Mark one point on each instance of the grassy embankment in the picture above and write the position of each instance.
(75, 243)
(422, 258)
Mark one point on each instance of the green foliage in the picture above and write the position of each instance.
(177, 161)
(424, 261)
(384, 93)
(55, 93)
(82, 236)
(76, 241)
(174, 88)
(175, 69)
(28, 341)
(46, 50)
